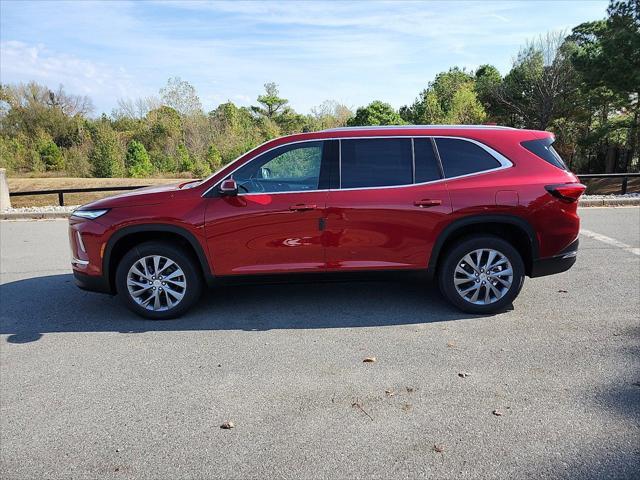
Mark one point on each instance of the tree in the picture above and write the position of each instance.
(487, 84)
(450, 98)
(329, 114)
(542, 83)
(465, 108)
(106, 153)
(607, 56)
(183, 159)
(137, 160)
(270, 102)
(214, 157)
(181, 96)
(376, 113)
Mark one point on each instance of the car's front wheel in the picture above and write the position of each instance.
(481, 274)
(158, 280)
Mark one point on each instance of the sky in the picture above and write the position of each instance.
(352, 52)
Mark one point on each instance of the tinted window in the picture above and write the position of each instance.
(544, 150)
(460, 157)
(427, 168)
(288, 168)
(376, 162)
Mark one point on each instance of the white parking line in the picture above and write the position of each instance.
(610, 241)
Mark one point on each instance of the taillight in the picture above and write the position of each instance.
(567, 192)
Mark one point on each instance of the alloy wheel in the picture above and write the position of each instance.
(483, 276)
(156, 283)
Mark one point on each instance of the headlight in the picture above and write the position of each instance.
(90, 214)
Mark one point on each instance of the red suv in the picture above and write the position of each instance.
(477, 207)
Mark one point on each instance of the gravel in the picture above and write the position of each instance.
(47, 209)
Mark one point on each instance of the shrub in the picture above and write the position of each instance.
(106, 154)
(201, 170)
(183, 160)
(76, 162)
(137, 160)
(50, 155)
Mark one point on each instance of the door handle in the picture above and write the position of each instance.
(301, 207)
(425, 203)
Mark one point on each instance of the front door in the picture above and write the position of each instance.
(275, 222)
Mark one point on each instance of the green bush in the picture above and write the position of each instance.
(50, 155)
(214, 157)
(76, 162)
(137, 160)
(183, 160)
(201, 170)
(106, 154)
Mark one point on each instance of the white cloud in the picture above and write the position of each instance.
(353, 51)
(20, 61)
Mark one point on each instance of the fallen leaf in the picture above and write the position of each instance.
(406, 407)
(497, 413)
(369, 360)
(451, 344)
(463, 374)
(438, 448)
(389, 393)
(227, 425)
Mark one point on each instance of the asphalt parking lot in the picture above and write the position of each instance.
(90, 391)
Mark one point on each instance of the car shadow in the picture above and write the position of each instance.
(53, 304)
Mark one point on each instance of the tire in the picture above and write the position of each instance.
(177, 290)
(459, 285)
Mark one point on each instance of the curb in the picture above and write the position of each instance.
(600, 202)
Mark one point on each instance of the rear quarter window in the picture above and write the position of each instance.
(543, 149)
(461, 157)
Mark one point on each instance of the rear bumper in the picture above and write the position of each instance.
(91, 283)
(556, 264)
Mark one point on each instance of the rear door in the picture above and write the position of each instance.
(390, 205)
(274, 223)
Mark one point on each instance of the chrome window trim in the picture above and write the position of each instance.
(504, 163)
(413, 161)
(339, 165)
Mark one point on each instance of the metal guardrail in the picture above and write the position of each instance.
(623, 176)
(61, 191)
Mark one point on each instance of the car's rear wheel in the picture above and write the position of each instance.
(481, 274)
(158, 281)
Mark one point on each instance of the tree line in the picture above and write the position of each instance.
(583, 85)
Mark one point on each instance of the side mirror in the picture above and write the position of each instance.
(229, 187)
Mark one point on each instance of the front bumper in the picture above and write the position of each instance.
(556, 264)
(92, 283)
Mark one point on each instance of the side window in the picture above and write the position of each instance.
(376, 162)
(288, 168)
(427, 168)
(460, 157)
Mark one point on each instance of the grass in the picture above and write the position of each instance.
(25, 184)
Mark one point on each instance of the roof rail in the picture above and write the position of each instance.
(434, 127)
